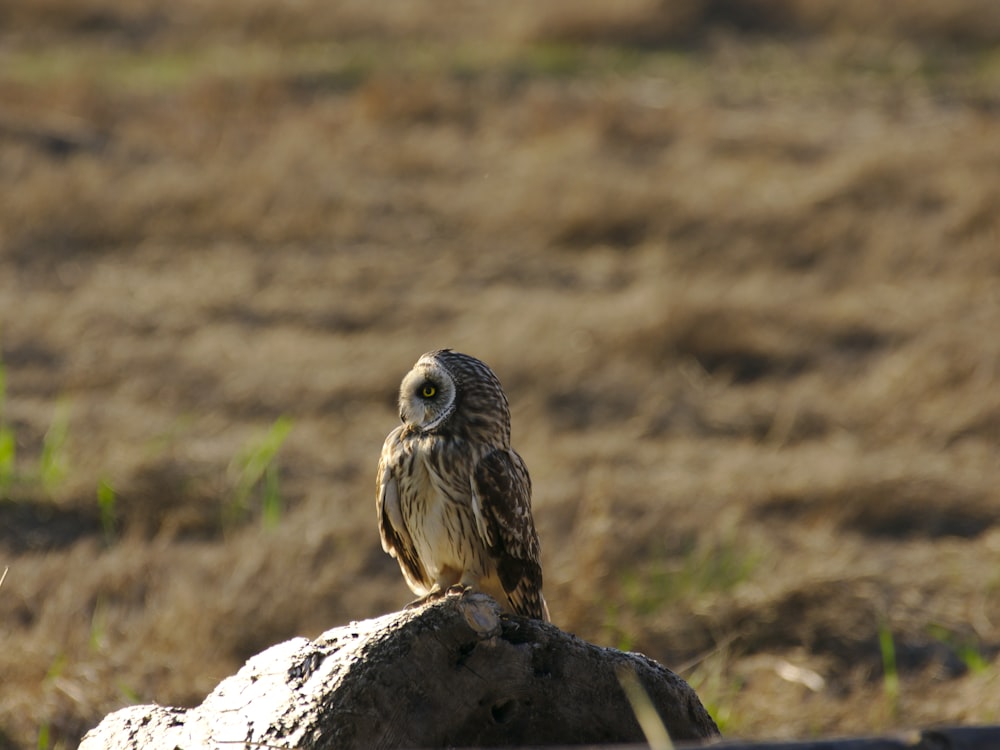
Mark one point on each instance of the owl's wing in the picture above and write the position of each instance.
(501, 503)
(392, 529)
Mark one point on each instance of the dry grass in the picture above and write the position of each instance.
(738, 271)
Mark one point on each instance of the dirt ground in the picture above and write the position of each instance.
(736, 264)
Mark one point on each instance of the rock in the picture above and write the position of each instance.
(452, 673)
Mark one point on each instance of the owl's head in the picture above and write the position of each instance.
(446, 388)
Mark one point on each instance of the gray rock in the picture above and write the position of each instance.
(451, 673)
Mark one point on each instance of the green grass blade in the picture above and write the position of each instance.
(890, 673)
(106, 504)
(53, 465)
(256, 468)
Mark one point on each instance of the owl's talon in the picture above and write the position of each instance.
(458, 589)
(435, 594)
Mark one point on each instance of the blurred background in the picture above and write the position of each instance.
(737, 265)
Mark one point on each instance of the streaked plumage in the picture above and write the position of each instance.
(453, 498)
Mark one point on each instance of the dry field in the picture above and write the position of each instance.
(737, 264)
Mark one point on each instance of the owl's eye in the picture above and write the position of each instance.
(428, 391)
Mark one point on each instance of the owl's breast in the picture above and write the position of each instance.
(436, 500)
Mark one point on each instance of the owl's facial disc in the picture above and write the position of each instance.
(427, 396)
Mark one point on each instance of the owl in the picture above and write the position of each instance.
(453, 498)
